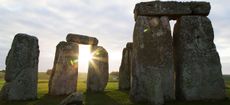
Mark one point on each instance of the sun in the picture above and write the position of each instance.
(84, 53)
(84, 58)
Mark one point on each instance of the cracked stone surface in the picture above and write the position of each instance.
(63, 79)
(21, 69)
(152, 64)
(125, 68)
(197, 62)
(98, 72)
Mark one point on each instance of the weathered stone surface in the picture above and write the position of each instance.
(98, 71)
(21, 69)
(73, 99)
(172, 8)
(152, 67)
(129, 45)
(63, 79)
(124, 71)
(125, 68)
(81, 39)
(197, 63)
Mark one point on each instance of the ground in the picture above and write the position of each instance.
(111, 96)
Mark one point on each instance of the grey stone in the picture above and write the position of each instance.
(152, 63)
(173, 9)
(129, 45)
(197, 63)
(63, 79)
(81, 39)
(125, 68)
(98, 72)
(21, 69)
(73, 99)
(124, 72)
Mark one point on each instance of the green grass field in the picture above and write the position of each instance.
(111, 96)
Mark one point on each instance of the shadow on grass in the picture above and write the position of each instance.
(49, 100)
(222, 102)
(45, 100)
(114, 97)
(99, 99)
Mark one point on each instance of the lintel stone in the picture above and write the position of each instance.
(81, 39)
(173, 9)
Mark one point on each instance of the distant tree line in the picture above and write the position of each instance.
(115, 73)
(3, 70)
(49, 71)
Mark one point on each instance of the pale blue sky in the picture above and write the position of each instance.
(111, 21)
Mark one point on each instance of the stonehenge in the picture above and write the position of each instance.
(63, 80)
(183, 67)
(21, 69)
(156, 67)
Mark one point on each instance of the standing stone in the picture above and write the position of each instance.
(63, 79)
(98, 72)
(21, 69)
(197, 63)
(125, 68)
(152, 67)
(129, 46)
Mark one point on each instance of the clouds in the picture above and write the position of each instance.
(52, 20)
(111, 21)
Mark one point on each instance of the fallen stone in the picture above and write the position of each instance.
(172, 9)
(197, 63)
(63, 79)
(98, 72)
(152, 63)
(21, 69)
(73, 99)
(81, 39)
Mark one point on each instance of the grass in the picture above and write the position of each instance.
(111, 96)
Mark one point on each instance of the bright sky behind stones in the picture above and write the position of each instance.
(111, 21)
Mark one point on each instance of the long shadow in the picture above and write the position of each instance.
(45, 100)
(114, 97)
(3, 102)
(49, 100)
(220, 102)
(92, 98)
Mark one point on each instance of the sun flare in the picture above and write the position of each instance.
(84, 58)
(84, 53)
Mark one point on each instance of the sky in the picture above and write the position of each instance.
(110, 21)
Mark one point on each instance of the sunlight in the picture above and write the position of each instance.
(84, 57)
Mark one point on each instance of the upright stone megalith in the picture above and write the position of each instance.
(63, 79)
(21, 69)
(98, 72)
(197, 63)
(152, 67)
(125, 68)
